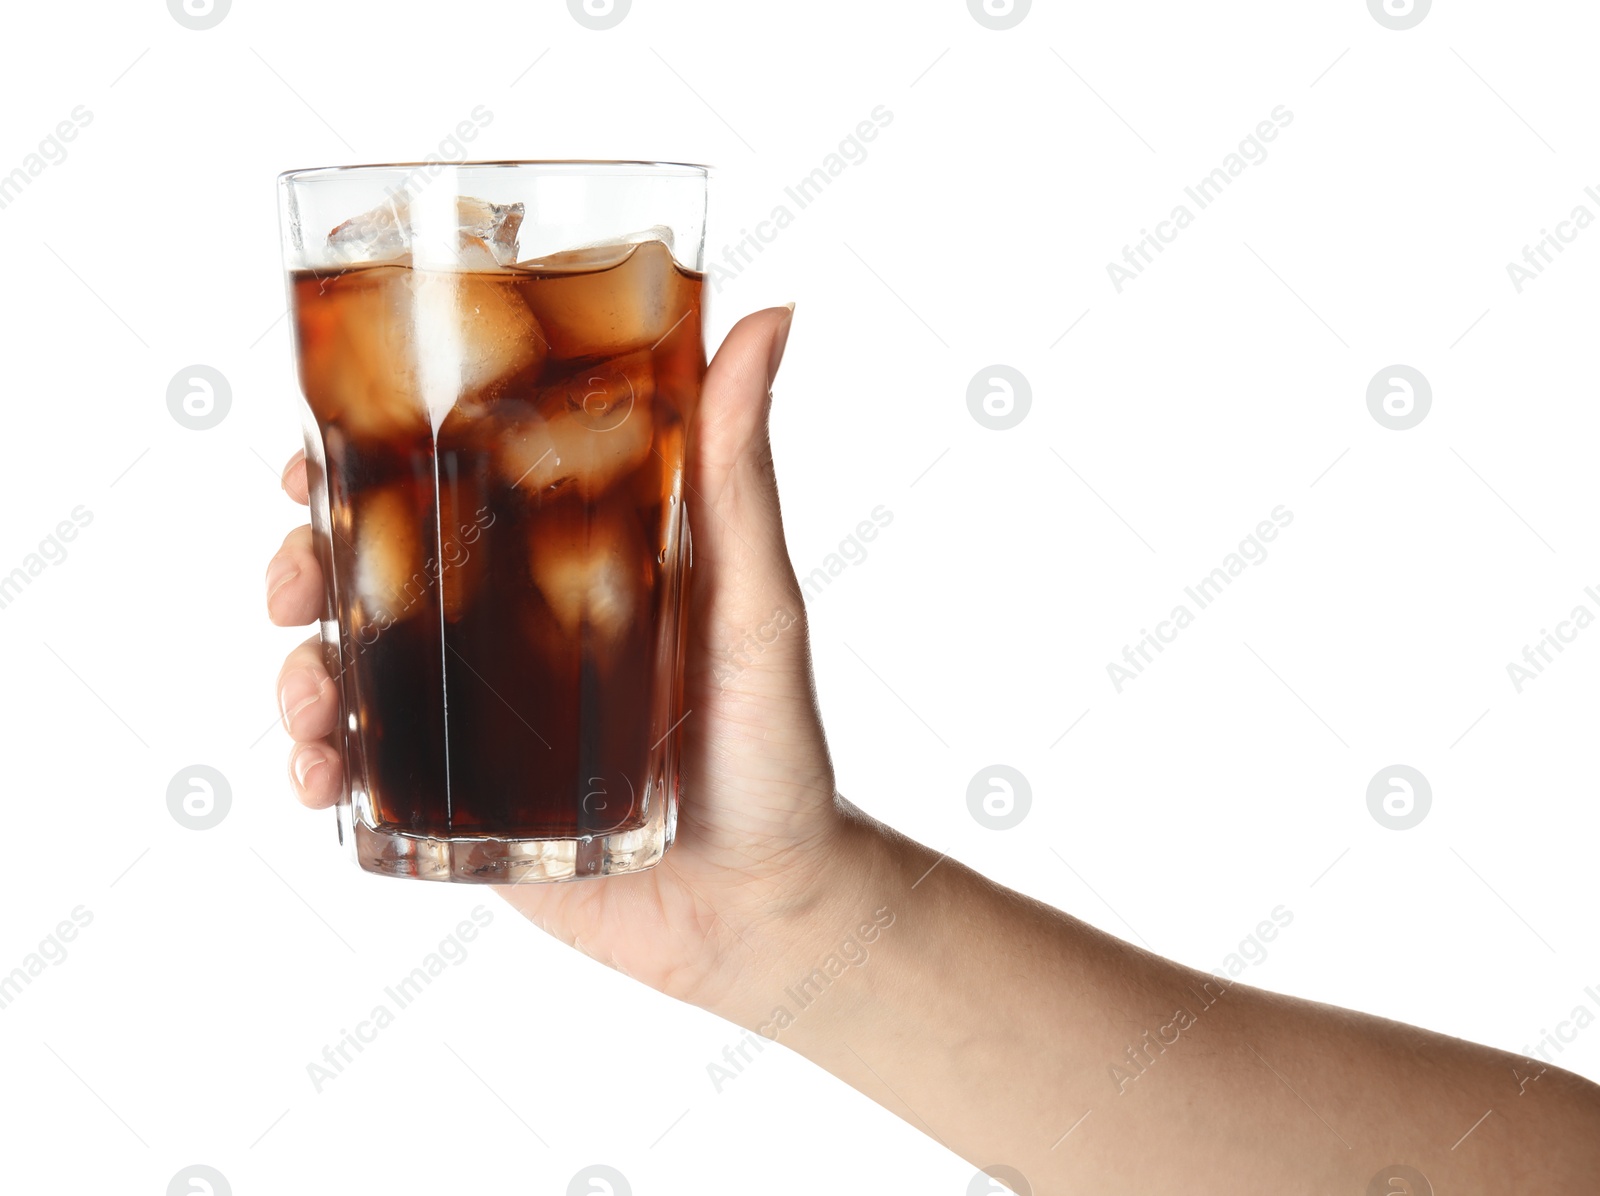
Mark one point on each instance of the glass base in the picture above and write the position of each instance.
(494, 861)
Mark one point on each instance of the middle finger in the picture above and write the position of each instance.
(294, 581)
(307, 697)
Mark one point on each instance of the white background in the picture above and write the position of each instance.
(1229, 378)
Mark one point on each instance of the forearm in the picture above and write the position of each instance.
(1015, 1034)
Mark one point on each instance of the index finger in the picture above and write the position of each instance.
(294, 478)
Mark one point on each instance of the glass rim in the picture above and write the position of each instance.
(575, 166)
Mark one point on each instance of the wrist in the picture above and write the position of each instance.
(804, 955)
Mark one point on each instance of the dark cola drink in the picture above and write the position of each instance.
(501, 449)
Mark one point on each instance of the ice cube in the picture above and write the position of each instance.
(390, 581)
(355, 355)
(603, 395)
(474, 253)
(469, 331)
(379, 235)
(592, 429)
(388, 348)
(609, 299)
(600, 255)
(589, 570)
(492, 225)
(385, 233)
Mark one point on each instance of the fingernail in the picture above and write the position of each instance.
(305, 766)
(779, 340)
(279, 574)
(299, 690)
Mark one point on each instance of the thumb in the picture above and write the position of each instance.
(749, 585)
(735, 400)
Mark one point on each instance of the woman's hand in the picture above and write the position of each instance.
(1004, 1028)
(758, 827)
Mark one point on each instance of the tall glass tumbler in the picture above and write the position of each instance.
(500, 363)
